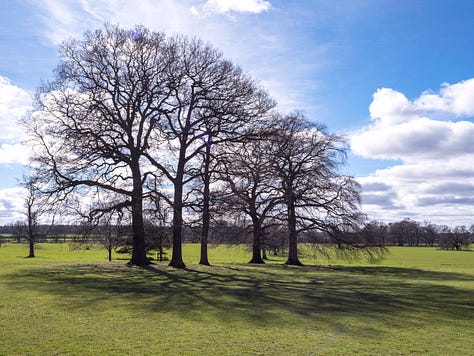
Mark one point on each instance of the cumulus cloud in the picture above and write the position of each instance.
(415, 139)
(14, 104)
(433, 138)
(454, 99)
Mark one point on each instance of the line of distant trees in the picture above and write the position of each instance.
(408, 232)
(274, 241)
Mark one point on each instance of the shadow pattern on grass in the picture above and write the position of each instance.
(260, 294)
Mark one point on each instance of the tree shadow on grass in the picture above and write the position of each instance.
(258, 294)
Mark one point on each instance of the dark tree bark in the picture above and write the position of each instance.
(206, 213)
(177, 253)
(32, 222)
(139, 257)
(292, 233)
(257, 242)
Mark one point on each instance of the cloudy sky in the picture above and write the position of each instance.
(395, 76)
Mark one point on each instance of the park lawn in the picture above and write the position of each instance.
(416, 301)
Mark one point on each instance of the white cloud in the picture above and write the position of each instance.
(454, 99)
(14, 104)
(226, 6)
(13, 153)
(11, 205)
(390, 107)
(435, 179)
(416, 139)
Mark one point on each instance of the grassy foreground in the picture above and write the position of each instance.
(417, 301)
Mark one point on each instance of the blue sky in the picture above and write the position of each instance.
(393, 76)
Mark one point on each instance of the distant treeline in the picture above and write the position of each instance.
(409, 232)
(406, 232)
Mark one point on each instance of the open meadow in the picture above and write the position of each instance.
(75, 302)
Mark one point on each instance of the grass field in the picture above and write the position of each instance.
(416, 301)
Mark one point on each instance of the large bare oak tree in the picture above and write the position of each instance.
(95, 122)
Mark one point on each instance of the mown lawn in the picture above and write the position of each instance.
(417, 301)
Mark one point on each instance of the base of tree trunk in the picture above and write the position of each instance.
(293, 262)
(257, 260)
(30, 256)
(179, 264)
(144, 263)
(204, 263)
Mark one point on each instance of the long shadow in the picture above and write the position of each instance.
(260, 293)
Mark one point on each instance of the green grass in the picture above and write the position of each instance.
(417, 301)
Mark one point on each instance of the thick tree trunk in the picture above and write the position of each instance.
(139, 257)
(257, 242)
(32, 247)
(31, 233)
(206, 215)
(204, 260)
(177, 256)
(292, 236)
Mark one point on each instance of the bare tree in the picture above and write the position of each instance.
(108, 229)
(247, 170)
(36, 206)
(315, 195)
(18, 230)
(94, 124)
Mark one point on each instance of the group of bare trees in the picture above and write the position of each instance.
(163, 130)
(286, 175)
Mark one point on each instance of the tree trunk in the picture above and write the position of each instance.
(139, 257)
(292, 236)
(257, 242)
(206, 215)
(32, 247)
(31, 233)
(177, 255)
(204, 260)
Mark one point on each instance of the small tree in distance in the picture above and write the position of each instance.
(37, 206)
